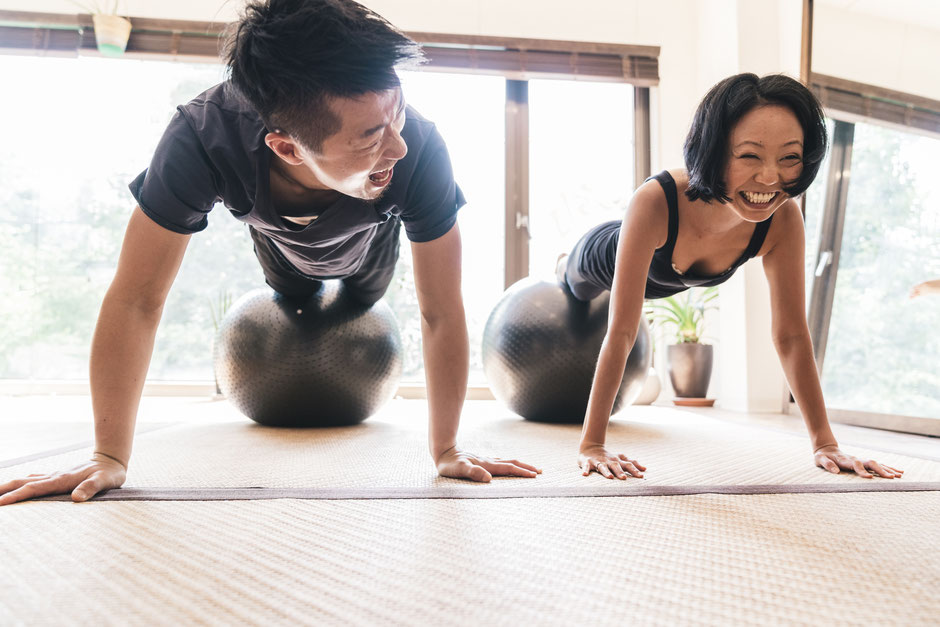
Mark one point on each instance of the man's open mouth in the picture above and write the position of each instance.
(381, 177)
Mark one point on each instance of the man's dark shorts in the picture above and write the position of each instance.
(367, 285)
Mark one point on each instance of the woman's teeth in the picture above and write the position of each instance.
(759, 199)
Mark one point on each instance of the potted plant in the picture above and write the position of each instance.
(111, 30)
(689, 360)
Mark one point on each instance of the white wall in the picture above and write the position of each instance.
(892, 44)
(760, 36)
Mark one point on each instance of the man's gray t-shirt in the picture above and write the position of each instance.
(213, 151)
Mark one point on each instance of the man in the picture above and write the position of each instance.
(311, 144)
(927, 287)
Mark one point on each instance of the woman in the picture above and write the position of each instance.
(755, 144)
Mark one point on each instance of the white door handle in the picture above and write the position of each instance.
(825, 258)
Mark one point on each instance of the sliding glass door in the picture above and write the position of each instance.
(876, 236)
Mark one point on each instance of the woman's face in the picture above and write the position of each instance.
(765, 154)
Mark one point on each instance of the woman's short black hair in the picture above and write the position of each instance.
(289, 57)
(706, 146)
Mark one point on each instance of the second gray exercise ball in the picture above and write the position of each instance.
(326, 361)
(540, 349)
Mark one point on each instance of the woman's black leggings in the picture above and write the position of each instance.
(590, 268)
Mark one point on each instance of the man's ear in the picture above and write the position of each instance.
(284, 147)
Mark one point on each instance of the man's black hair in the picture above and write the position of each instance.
(706, 146)
(288, 58)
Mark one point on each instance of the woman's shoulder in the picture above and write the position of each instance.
(649, 198)
(681, 177)
(786, 223)
(648, 210)
(653, 189)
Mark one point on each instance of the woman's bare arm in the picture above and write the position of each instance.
(643, 230)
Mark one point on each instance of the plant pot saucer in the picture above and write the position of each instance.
(692, 401)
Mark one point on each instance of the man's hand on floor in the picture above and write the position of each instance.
(461, 465)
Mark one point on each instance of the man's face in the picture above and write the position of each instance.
(358, 159)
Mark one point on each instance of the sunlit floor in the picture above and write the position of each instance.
(36, 423)
(226, 522)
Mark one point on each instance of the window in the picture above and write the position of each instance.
(882, 349)
(581, 163)
(90, 125)
(88, 128)
(468, 112)
(815, 199)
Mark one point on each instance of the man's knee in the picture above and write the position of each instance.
(365, 297)
(298, 292)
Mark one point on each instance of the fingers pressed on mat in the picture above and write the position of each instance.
(27, 491)
(859, 468)
(13, 485)
(633, 461)
(87, 488)
(478, 473)
(876, 468)
(525, 465)
(617, 470)
(830, 465)
(632, 469)
(506, 468)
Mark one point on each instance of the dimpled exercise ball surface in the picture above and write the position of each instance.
(322, 362)
(540, 348)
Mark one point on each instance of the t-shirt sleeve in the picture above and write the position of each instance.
(181, 185)
(433, 197)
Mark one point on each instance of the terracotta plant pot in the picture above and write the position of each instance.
(690, 368)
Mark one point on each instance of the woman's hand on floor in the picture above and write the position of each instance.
(84, 481)
(461, 465)
(597, 458)
(832, 459)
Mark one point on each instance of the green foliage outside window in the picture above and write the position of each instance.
(883, 349)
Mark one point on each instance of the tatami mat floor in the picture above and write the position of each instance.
(705, 559)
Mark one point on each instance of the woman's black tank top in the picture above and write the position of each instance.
(663, 279)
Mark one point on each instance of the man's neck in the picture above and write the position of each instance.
(292, 197)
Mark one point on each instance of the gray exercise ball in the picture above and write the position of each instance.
(321, 362)
(540, 349)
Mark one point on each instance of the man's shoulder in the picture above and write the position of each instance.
(220, 109)
(414, 116)
(419, 132)
(219, 99)
(223, 129)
